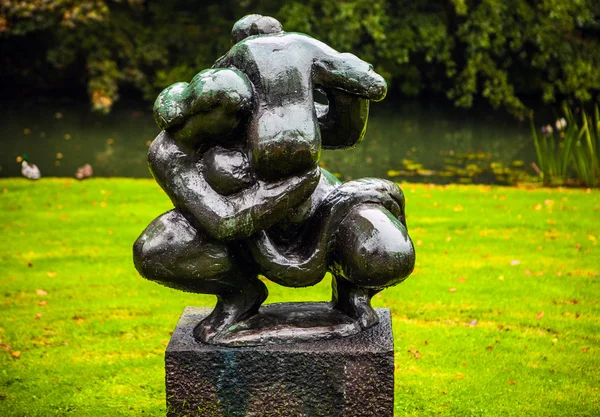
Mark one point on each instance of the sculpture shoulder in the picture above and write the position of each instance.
(267, 44)
(162, 150)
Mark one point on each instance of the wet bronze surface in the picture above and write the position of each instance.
(239, 157)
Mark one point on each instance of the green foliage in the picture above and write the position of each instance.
(586, 156)
(505, 51)
(569, 154)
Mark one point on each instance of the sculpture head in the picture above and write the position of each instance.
(210, 107)
(254, 24)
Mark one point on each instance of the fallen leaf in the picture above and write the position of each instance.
(78, 319)
(540, 315)
(585, 349)
(51, 274)
(16, 354)
(415, 353)
(452, 290)
(490, 347)
(42, 303)
(8, 348)
(473, 323)
(515, 262)
(29, 264)
(38, 316)
(41, 292)
(511, 382)
(462, 279)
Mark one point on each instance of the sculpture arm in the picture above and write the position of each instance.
(345, 71)
(242, 214)
(343, 122)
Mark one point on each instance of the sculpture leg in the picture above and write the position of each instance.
(372, 251)
(175, 254)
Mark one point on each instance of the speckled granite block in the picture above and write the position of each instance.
(349, 377)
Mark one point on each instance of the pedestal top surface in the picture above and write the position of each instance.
(377, 339)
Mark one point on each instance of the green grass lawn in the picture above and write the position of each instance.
(501, 316)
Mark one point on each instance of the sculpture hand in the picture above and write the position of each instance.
(242, 214)
(347, 72)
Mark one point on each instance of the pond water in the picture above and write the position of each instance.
(408, 141)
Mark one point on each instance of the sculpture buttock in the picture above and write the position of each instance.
(239, 158)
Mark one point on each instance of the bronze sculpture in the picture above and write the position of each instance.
(239, 158)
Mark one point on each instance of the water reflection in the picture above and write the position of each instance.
(405, 141)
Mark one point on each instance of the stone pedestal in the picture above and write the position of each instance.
(348, 377)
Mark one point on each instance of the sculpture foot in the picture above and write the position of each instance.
(354, 301)
(285, 323)
(231, 309)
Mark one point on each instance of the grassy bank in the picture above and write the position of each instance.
(501, 317)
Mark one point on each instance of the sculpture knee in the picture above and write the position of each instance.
(373, 248)
(172, 252)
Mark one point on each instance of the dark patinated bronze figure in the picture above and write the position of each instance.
(239, 157)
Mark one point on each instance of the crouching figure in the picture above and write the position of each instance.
(239, 157)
